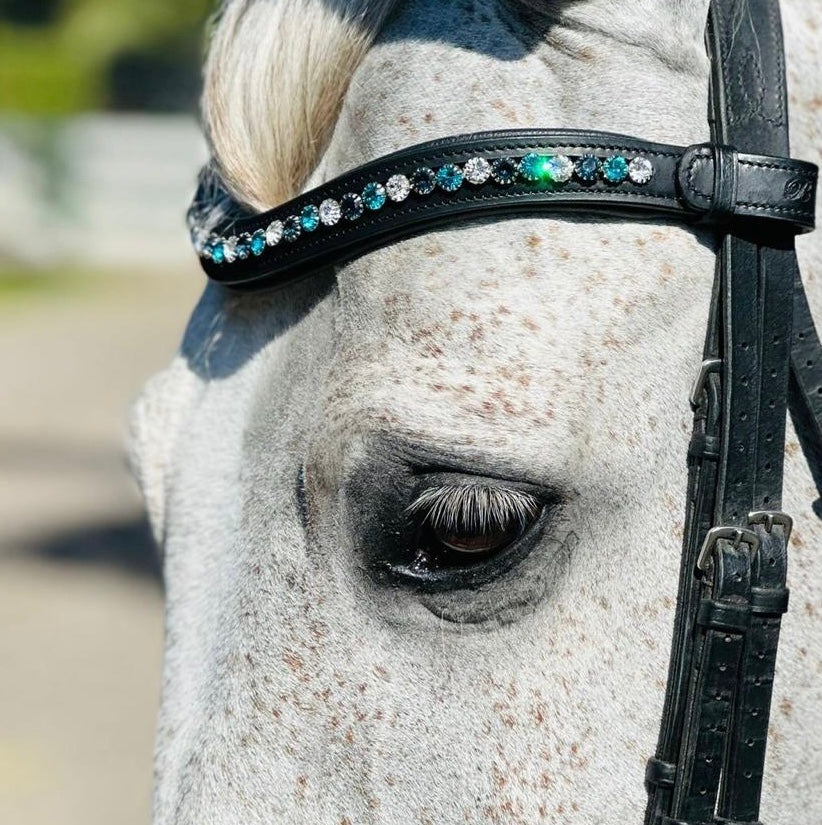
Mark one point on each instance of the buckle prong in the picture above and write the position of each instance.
(771, 517)
(738, 535)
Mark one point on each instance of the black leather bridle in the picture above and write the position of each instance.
(761, 354)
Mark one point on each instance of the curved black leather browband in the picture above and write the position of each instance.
(686, 183)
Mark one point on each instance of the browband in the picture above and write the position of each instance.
(502, 172)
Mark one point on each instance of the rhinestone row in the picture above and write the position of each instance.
(504, 171)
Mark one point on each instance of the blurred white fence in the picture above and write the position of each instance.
(102, 190)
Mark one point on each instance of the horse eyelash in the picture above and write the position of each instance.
(473, 507)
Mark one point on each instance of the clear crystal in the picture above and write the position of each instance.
(561, 168)
(330, 212)
(398, 188)
(640, 170)
(274, 233)
(230, 249)
(477, 170)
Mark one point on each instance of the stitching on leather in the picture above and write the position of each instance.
(768, 207)
(284, 253)
(699, 156)
(261, 220)
(704, 154)
(806, 173)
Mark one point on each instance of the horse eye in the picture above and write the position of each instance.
(464, 525)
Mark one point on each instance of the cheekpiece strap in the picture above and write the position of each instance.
(509, 172)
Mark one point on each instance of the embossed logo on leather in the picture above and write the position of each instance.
(798, 189)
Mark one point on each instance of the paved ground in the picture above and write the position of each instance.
(80, 599)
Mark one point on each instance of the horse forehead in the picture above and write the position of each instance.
(523, 277)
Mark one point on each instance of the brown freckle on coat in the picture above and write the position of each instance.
(504, 109)
(564, 254)
(457, 315)
(640, 242)
(810, 610)
(534, 241)
(796, 539)
(349, 737)
(530, 324)
(429, 117)
(791, 448)
(477, 333)
(293, 660)
(360, 716)
(786, 707)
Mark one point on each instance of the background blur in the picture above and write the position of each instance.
(99, 149)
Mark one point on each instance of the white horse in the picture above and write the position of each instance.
(536, 367)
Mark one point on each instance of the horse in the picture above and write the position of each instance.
(509, 394)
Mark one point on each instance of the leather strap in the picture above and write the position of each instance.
(716, 750)
(697, 184)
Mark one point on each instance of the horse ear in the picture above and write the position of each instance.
(154, 423)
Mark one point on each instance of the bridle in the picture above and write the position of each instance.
(761, 355)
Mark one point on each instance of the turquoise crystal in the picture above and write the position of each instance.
(309, 218)
(258, 242)
(292, 229)
(373, 195)
(615, 169)
(218, 253)
(534, 167)
(450, 177)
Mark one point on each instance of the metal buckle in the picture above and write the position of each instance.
(737, 535)
(708, 366)
(771, 517)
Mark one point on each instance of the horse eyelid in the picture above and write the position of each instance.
(474, 507)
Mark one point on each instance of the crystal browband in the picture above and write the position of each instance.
(499, 172)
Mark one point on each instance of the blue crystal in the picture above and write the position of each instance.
(504, 171)
(218, 253)
(587, 168)
(534, 167)
(309, 218)
(450, 177)
(243, 246)
(615, 169)
(258, 242)
(292, 229)
(423, 181)
(352, 206)
(373, 195)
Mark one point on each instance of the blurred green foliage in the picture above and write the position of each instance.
(64, 56)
